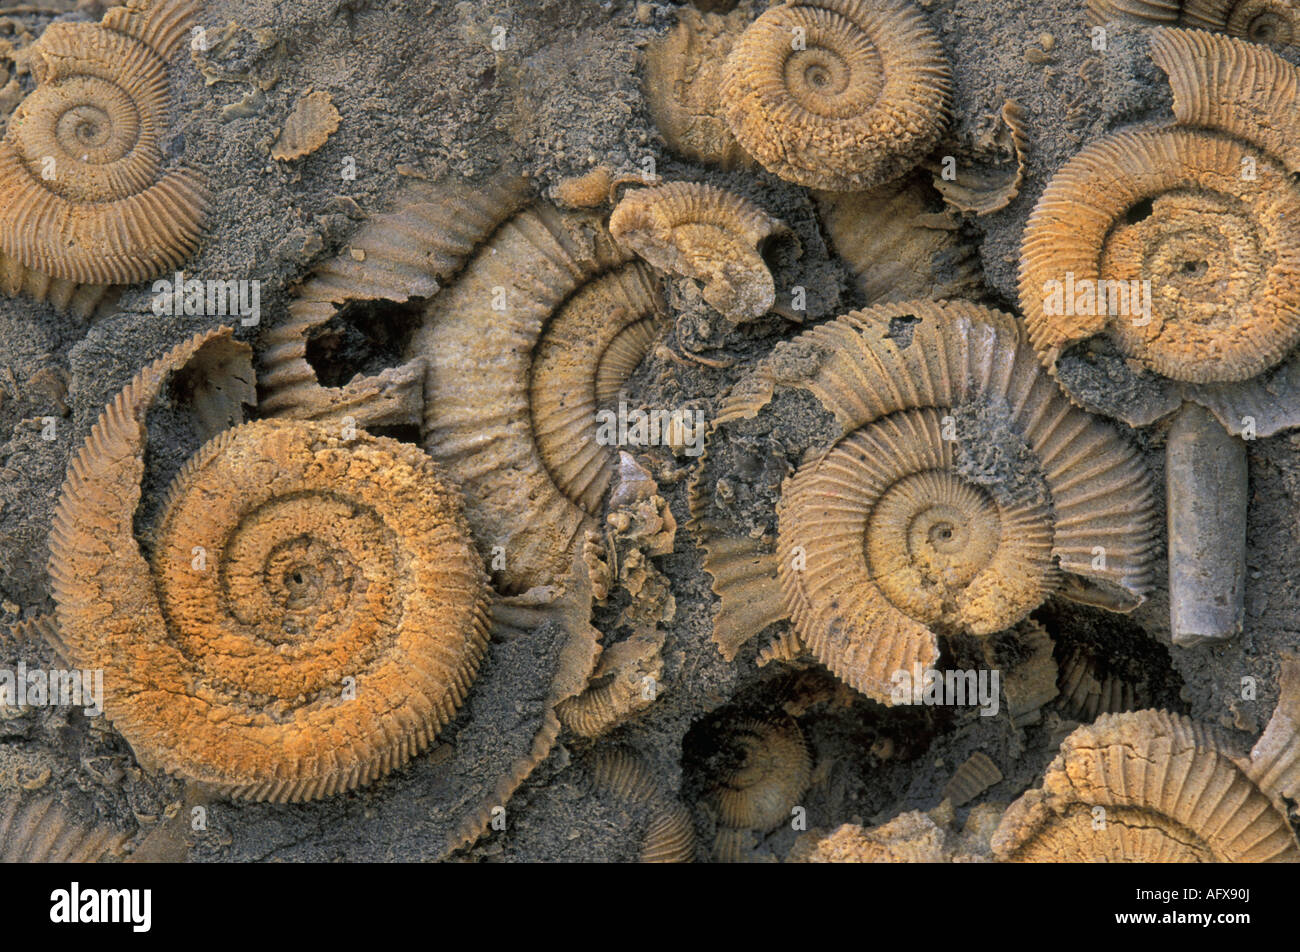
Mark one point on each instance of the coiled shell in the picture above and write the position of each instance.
(314, 612)
(860, 103)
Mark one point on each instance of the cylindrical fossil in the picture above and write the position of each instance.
(1205, 480)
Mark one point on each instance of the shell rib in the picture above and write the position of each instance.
(862, 102)
(867, 574)
(669, 833)
(84, 198)
(321, 561)
(1276, 22)
(40, 830)
(1145, 787)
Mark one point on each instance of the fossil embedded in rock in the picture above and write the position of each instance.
(900, 243)
(1146, 787)
(38, 829)
(1179, 248)
(313, 612)
(764, 770)
(85, 200)
(312, 121)
(962, 489)
(706, 233)
(668, 834)
(506, 367)
(857, 103)
(683, 73)
(1260, 21)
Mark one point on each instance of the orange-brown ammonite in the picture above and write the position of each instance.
(312, 613)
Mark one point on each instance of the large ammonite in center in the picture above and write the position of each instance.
(953, 488)
(944, 551)
(312, 615)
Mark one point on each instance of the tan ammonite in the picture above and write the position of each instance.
(1207, 212)
(704, 232)
(1146, 787)
(527, 322)
(958, 489)
(1275, 22)
(86, 202)
(312, 612)
(838, 94)
(766, 770)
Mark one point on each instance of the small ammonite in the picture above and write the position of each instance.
(1146, 787)
(1275, 22)
(838, 94)
(766, 769)
(958, 489)
(312, 614)
(707, 233)
(85, 199)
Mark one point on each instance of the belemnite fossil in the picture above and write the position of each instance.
(404, 570)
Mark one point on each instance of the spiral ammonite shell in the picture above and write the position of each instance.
(1145, 787)
(669, 832)
(330, 628)
(895, 532)
(84, 197)
(1276, 22)
(861, 102)
(707, 233)
(1222, 255)
(543, 320)
(768, 771)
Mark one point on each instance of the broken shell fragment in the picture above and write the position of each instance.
(863, 98)
(1145, 787)
(982, 191)
(899, 243)
(683, 76)
(40, 830)
(312, 121)
(85, 202)
(313, 613)
(972, 778)
(706, 233)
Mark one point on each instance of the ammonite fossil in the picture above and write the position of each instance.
(764, 770)
(38, 829)
(837, 94)
(508, 366)
(1169, 259)
(683, 76)
(1146, 787)
(668, 833)
(707, 233)
(1260, 21)
(313, 611)
(958, 490)
(899, 243)
(972, 778)
(85, 200)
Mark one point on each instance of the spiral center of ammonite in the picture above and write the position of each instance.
(837, 75)
(85, 126)
(1181, 278)
(306, 579)
(929, 535)
(1263, 21)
